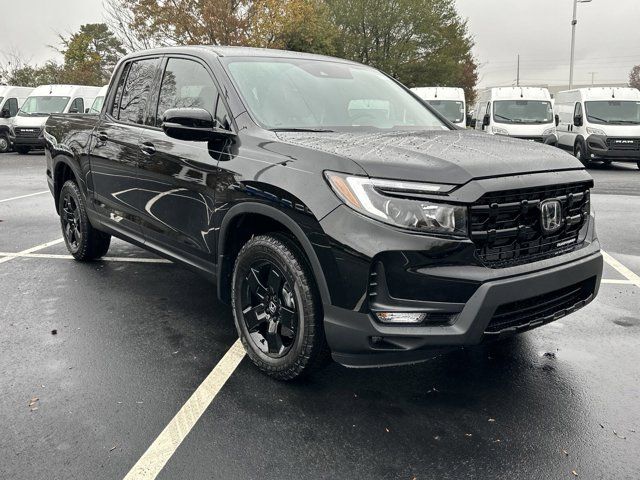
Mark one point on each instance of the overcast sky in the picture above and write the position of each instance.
(608, 36)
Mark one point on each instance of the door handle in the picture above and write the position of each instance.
(102, 136)
(147, 148)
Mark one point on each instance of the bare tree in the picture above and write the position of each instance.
(11, 61)
(120, 18)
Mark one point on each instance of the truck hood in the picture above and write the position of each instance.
(453, 157)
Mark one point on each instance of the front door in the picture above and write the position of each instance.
(179, 177)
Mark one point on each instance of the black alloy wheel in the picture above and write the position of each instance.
(83, 241)
(268, 309)
(70, 219)
(277, 308)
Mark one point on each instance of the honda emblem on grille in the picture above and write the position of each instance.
(551, 216)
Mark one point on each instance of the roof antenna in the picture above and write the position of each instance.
(521, 93)
(613, 93)
(436, 92)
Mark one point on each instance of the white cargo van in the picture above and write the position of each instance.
(520, 112)
(11, 99)
(27, 127)
(96, 106)
(448, 101)
(600, 124)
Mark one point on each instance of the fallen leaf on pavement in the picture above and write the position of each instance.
(574, 473)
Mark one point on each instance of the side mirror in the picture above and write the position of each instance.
(87, 110)
(557, 120)
(194, 124)
(486, 120)
(5, 113)
(577, 120)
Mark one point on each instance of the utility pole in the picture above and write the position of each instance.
(518, 73)
(593, 76)
(574, 22)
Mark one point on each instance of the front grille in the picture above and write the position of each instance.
(623, 144)
(25, 132)
(506, 229)
(536, 311)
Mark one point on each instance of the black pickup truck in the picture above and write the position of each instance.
(336, 212)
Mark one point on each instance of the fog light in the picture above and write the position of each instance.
(401, 317)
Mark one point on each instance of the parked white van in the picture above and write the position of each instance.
(11, 99)
(27, 127)
(520, 112)
(600, 124)
(448, 101)
(96, 106)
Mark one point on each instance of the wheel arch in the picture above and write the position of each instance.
(65, 169)
(264, 219)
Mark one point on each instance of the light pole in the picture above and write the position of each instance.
(574, 22)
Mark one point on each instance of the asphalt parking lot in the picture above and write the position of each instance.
(135, 336)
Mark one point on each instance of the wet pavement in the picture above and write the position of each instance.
(134, 340)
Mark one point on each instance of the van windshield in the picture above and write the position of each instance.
(526, 112)
(43, 106)
(449, 109)
(613, 112)
(97, 105)
(312, 95)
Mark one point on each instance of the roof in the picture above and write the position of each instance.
(602, 93)
(229, 51)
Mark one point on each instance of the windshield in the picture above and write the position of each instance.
(97, 105)
(613, 111)
(43, 106)
(449, 109)
(292, 94)
(522, 111)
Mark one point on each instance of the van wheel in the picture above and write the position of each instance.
(5, 145)
(83, 241)
(607, 162)
(580, 154)
(22, 150)
(277, 309)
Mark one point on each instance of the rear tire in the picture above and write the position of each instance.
(22, 150)
(277, 309)
(83, 241)
(5, 144)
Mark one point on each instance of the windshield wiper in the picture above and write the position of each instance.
(599, 119)
(503, 117)
(625, 122)
(295, 129)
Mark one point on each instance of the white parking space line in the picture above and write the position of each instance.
(616, 281)
(69, 257)
(24, 196)
(163, 448)
(32, 249)
(624, 271)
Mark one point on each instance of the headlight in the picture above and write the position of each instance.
(549, 131)
(500, 131)
(399, 203)
(595, 131)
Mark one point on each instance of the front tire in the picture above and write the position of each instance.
(5, 144)
(83, 241)
(277, 309)
(581, 154)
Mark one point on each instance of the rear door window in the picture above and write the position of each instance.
(137, 91)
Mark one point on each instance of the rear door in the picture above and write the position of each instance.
(179, 177)
(115, 151)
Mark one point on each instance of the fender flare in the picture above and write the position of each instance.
(290, 224)
(64, 160)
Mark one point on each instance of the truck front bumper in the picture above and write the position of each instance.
(601, 147)
(498, 308)
(32, 142)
